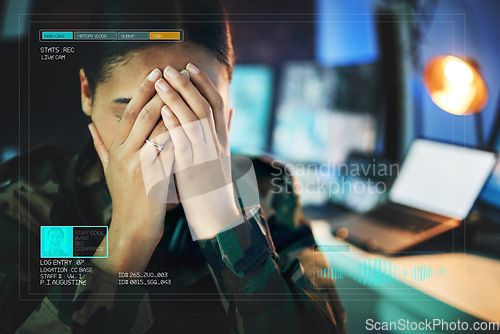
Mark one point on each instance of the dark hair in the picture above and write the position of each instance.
(204, 23)
(53, 229)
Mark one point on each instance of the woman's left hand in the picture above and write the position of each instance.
(195, 118)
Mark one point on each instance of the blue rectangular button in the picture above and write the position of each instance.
(332, 248)
(57, 35)
(96, 35)
(134, 35)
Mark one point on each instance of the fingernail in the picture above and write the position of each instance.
(192, 68)
(155, 75)
(166, 111)
(186, 74)
(163, 85)
(171, 72)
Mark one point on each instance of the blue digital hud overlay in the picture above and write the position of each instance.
(72, 241)
(56, 241)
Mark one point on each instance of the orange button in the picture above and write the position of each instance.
(175, 35)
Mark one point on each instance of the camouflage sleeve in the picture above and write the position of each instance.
(29, 307)
(267, 292)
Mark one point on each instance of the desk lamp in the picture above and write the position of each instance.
(456, 86)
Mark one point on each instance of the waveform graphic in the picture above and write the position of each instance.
(378, 271)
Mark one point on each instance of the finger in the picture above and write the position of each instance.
(102, 151)
(194, 132)
(148, 155)
(210, 147)
(186, 74)
(161, 136)
(211, 94)
(175, 102)
(151, 153)
(145, 123)
(195, 101)
(182, 145)
(159, 129)
(142, 96)
(181, 83)
(156, 169)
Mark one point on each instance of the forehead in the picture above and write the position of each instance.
(126, 76)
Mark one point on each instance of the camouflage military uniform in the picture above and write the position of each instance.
(254, 278)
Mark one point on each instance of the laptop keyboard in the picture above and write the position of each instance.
(402, 220)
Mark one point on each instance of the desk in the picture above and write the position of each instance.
(470, 285)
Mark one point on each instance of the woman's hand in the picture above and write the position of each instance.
(195, 118)
(137, 222)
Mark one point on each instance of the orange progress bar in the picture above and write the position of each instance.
(171, 35)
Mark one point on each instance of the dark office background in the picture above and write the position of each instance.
(332, 34)
(55, 112)
(362, 57)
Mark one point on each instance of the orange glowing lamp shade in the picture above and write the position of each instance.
(455, 86)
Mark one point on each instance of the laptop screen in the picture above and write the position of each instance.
(442, 178)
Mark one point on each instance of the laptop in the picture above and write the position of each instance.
(434, 191)
(487, 233)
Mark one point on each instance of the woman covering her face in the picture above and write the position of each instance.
(159, 174)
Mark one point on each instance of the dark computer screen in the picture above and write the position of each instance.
(323, 114)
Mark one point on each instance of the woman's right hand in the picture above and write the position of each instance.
(137, 222)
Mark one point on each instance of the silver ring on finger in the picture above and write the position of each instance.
(155, 145)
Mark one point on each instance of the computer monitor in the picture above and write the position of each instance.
(251, 92)
(323, 114)
(345, 32)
